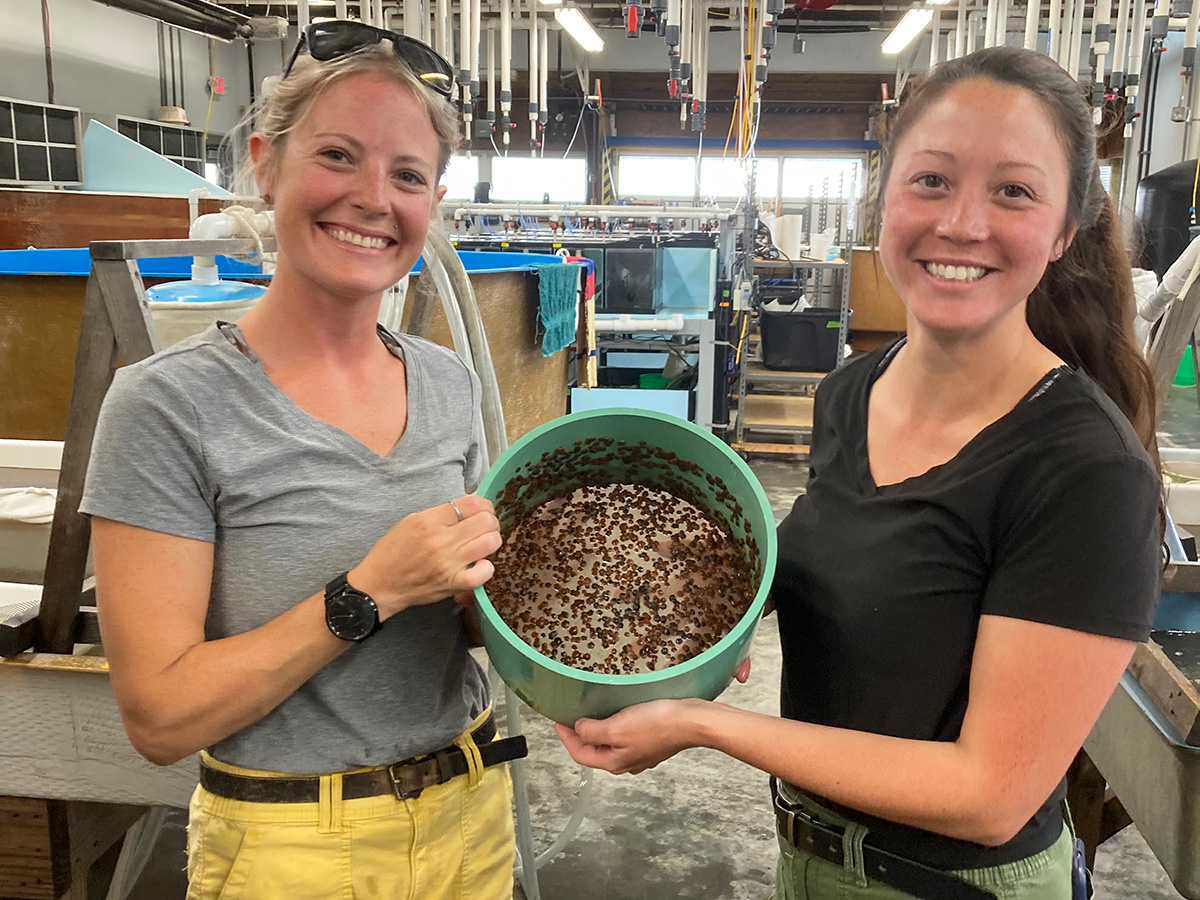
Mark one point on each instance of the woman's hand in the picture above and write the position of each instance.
(431, 555)
(633, 740)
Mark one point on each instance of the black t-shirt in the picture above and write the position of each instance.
(1050, 514)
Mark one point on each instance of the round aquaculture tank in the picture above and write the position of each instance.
(639, 551)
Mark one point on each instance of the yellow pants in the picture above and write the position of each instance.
(454, 842)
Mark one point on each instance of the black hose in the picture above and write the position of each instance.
(162, 67)
(49, 61)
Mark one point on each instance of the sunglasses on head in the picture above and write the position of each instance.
(331, 40)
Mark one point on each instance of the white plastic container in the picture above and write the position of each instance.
(28, 479)
(1180, 466)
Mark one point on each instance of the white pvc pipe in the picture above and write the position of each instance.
(674, 14)
(705, 49)
(583, 209)
(1073, 61)
(1054, 29)
(491, 70)
(1121, 43)
(1065, 32)
(1189, 32)
(506, 24)
(1001, 23)
(544, 68)
(1033, 11)
(989, 25)
(973, 18)
(625, 322)
(302, 14)
(476, 38)
(685, 23)
(464, 45)
(936, 34)
(439, 25)
(339, 9)
(960, 30)
(533, 75)
(1101, 22)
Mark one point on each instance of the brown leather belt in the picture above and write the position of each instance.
(405, 779)
(825, 842)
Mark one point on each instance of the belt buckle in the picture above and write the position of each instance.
(406, 780)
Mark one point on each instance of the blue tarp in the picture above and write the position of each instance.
(77, 261)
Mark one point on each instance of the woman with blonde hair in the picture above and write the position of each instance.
(280, 516)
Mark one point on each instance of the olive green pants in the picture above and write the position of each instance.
(802, 876)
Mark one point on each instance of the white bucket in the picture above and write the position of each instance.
(818, 246)
(175, 321)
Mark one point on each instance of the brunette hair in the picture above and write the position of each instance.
(1083, 309)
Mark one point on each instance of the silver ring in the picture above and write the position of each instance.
(457, 511)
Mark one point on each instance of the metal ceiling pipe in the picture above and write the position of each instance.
(1033, 10)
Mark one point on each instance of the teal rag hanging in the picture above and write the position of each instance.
(558, 288)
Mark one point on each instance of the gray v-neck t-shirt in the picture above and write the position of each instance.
(197, 441)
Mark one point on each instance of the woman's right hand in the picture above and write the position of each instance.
(431, 555)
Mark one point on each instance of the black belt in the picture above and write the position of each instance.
(405, 779)
(825, 842)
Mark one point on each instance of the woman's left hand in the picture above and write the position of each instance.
(633, 740)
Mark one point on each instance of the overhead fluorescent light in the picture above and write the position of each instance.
(200, 16)
(914, 22)
(938, 2)
(559, 2)
(578, 27)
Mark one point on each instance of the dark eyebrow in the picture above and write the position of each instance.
(1006, 164)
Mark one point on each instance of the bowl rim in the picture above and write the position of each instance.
(747, 623)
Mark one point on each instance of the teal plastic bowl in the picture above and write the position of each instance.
(565, 694)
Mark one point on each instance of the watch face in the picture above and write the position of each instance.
(350, 616)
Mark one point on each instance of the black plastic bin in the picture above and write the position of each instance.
(802, 341)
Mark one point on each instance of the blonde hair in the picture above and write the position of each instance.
(276, 113)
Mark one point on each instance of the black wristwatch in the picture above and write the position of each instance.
(350, 614)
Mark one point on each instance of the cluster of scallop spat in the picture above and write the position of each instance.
(614, 562)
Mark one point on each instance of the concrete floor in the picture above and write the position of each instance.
(699, 826)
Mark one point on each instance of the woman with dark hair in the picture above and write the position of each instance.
(978, 550)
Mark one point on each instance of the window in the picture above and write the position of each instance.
(178, 144)
(38, 143)
(651, 177)
(529, 179)
(805, 177)
(461, 177)
(726, 178)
